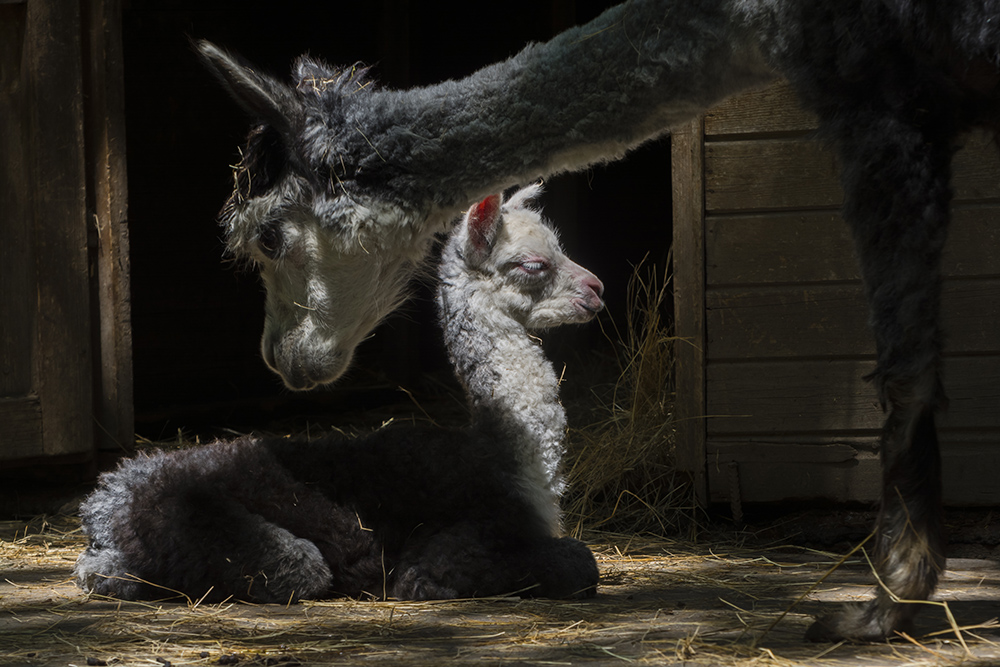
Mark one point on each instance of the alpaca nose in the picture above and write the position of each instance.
(595, 285)
(593, 290)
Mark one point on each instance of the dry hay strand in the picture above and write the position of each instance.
(622, 476)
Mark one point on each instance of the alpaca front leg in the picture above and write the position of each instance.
(563, 568)
(896, 199)
(210, 546)
(465, 561)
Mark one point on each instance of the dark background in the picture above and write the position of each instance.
(197, 317)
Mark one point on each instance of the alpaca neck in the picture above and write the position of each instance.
(514, 393)
(588, 95)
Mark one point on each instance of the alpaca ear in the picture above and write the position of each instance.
(261, 96)
(482, 221)
(526, 196)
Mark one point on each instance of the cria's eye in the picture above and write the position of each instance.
(534, 266)
(269, 240)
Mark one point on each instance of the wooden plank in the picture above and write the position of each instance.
(973, 241)
(20, 428)
(775, 111)
(970, 471)
(107, 191)
(845, 469)
(770, 174)
(771, 110)
(792, 247)
(838, 471)
(976, 168)
(774, 174)
(810, 321)
(689, 302)
(832, 397)
(797, 247)
(51, 63)
(832, 320)
(17, 265)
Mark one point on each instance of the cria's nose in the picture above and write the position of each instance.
(594, 283)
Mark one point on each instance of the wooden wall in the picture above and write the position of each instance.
(771, 306)
(65, 359)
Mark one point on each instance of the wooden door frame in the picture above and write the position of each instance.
(67, 196)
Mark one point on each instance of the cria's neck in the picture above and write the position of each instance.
(514, 392)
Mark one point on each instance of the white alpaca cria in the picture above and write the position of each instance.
(497, 282)
(408, 512)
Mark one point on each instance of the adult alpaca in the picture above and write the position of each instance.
(409, 513)
(365, 176)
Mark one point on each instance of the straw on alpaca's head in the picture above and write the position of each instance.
(334, 258)
(505, 258)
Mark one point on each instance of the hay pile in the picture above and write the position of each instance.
(622, 477)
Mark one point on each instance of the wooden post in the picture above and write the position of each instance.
(689, 302)
(52, 73)
(104, 111)
(65, 339)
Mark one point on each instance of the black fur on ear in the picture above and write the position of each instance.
(262, 96)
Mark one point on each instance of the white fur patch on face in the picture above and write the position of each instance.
(331, 287)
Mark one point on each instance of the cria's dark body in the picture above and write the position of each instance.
(274, 519)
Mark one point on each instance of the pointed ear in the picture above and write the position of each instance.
(526, 196)
(260, 95)
(483, 221)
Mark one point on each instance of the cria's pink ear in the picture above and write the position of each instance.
(482, 221)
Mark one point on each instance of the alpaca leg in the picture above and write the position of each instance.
(104, 571)
(286, 567)
(897, 195)
(250, 557)
(465, 561)
(564, 568)
(201, 544)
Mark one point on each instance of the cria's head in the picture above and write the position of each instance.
(506, 258)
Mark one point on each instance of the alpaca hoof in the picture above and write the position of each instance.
(859, 623)
(413, 584)
(103, 572)
(570, 572)
(585, 593)
(301, 573)
(577, 590)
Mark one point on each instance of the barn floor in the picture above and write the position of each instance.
(718, 602)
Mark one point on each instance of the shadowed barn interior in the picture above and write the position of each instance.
(771, 317)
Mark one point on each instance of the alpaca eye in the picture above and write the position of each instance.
(269, 240)
(534, 266)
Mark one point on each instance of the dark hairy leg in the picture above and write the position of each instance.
(897, 193)
(467, 561)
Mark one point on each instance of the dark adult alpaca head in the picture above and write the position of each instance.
(334, 259)
(342, 185)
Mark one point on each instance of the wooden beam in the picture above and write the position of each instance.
(52, 71)
(20, 428)
(17, 267)
(831, 396)
(104, 110)
(801, 173)
(689, 302)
